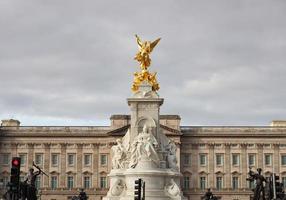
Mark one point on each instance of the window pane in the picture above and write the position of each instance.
(235, 159)
(202, 183)
(186, 182)
(268, 159)
(283, 159)
(219, 159)
(86, 182)
(203, 159)
(54, 182)
(23, 159)
(103, 182)
(103, 159)
(71, 159)
(5, 159)
(234, 183)
(87, 159)
(218, 183)
(187, 159)
(251, 159)
(55, 159)
(70, 182)
(38, 182)
(39, 159)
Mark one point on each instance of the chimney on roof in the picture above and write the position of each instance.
(10, 122)
(278, 123)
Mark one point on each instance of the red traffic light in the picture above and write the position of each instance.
(16, 162)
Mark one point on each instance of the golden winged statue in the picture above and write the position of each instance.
(143, 57)
(145, 49)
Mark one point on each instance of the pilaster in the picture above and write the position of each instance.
(62, 183)
(79, 166)
(227, 167)
(47, 161)
(243, 165)
(95, 165)
(211, 166)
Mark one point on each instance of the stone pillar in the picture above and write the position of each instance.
(79, 157)
(244, 165)
(275, 159)
(211, 166)
(30, 156)
(260, 156)
(95, 165)
(144, 108)
(14, 147)
(227, 167)
(195, 164)
(63, 159)
(47, 161)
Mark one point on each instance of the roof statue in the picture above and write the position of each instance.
(143, 57)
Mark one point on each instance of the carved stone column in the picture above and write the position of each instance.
(244, 165)
(30, 155)
(275, 161)
(211, 166)
(227, 166)
(14, 147)
(47, 161)
(195, 163)
(63, 165)
(260, 156)
(79, 157)
(95, 165)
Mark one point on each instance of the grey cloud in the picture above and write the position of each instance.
(219, 62)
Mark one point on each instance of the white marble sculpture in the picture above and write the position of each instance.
(171, 156)
(118, 155)
(117, 188)
(172, 189)
(145, 147)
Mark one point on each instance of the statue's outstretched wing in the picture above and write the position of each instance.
(139, 42)
(153, 44)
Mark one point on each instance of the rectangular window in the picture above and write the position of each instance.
(251, 184)
(71, 159)
(23, 159)
(4, 181)
(87, 159)
(186, 182)
(234, 183)
(38, 158)
(54, 182)
(38, 182)
(55, 159)
(283, 159)
(103, 183)
(219, 159)
(103, 159)
(202, 183)
(5, 159)
(70, 182)
(267, 159)
(251, 159)
(284, 181)
(219, 183)
(86, 182)
(203, 159)
(235, 159)
(187, 159)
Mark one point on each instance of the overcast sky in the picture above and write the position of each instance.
(220, 62)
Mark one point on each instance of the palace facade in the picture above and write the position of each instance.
(216, 157)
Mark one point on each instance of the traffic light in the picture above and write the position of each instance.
(138, 187)
(15, 173)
